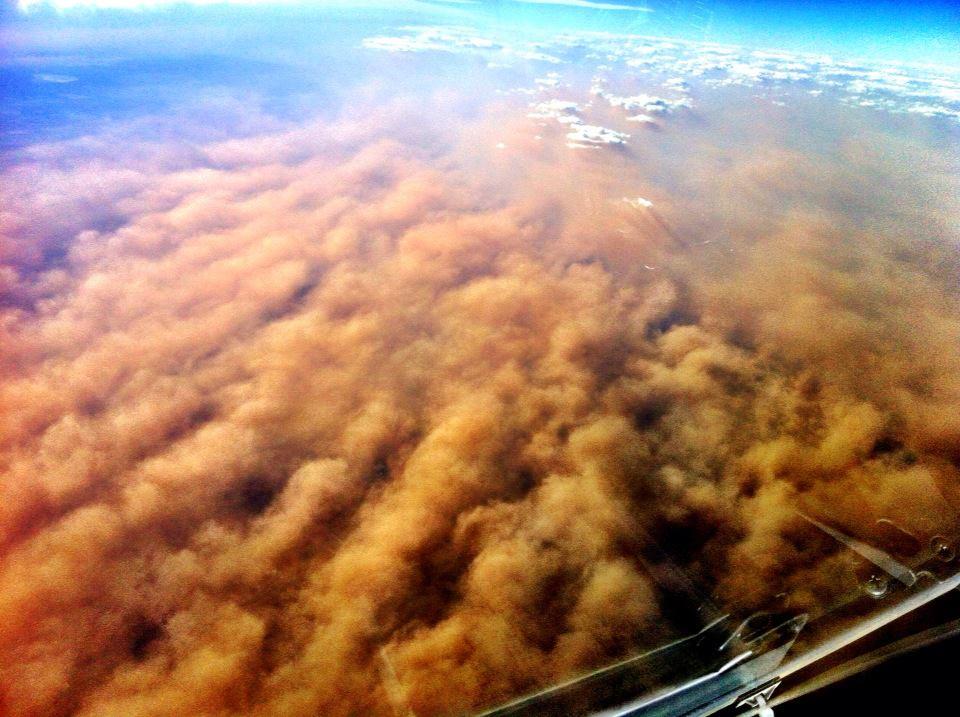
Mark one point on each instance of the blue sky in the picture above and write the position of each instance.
(884, 29)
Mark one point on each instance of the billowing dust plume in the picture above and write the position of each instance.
(353, 420)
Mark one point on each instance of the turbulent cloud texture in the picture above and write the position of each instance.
(330, 420)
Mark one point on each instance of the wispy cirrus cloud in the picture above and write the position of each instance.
(61, 5)
(588, 4)
(67, 5)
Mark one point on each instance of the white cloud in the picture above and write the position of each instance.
(589, 4)
(648, 103)
(60, 5)
(552, 79)
(432, 38)
(555, 109)
(65, 5)
(590, 134)
(28, 5)
(55, 79)
(690, 67)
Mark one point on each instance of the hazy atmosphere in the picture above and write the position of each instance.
(368, 362)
